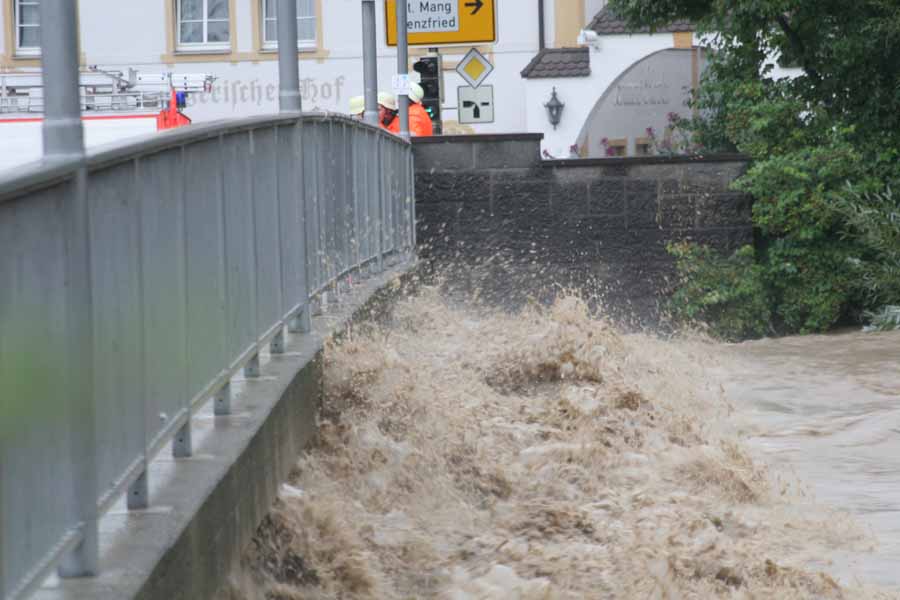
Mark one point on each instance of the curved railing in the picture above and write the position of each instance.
(135, 283)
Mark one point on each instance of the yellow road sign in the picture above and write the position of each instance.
(444, 22)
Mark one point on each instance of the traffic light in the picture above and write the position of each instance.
(429, 68)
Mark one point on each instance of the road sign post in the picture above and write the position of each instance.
(403, 67)
(453, 22)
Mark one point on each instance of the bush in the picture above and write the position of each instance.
(874, 221)
(726, 293)
(825, 144)
(887, 319)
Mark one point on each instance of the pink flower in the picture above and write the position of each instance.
(610, 151)
(604, 142)
(650, 132)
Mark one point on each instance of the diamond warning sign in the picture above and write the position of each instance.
(474, 68)
(444, 22)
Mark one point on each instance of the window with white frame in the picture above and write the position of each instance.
(306, 24)
(203, 25)
(28, 28)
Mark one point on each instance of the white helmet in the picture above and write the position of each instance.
(357, 105)
(416, 93)
(389, 101)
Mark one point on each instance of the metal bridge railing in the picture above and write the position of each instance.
(136, 282)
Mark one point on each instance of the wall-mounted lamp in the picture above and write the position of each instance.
(554, 109)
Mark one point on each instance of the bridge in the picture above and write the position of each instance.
(163, 298)
(164, 305)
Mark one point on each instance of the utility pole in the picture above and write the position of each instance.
(403, 66)
(62, 131)
(370, 62)
(63, 136)
(288, 61)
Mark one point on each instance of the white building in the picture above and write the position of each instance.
(234, 41)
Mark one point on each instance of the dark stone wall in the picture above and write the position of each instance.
(497, 222)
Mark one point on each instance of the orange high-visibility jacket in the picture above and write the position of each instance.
(394, 127)
(419, 121)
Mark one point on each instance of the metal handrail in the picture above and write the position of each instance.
(203, 246)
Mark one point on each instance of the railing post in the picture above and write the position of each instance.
(182, 444)
(222, 401)
(288, 60)
(84, 560)
(370, 62)
(301, 322)
(138, 493)
(382, 199)
(411, 176)
(403, 66)
(63, 136)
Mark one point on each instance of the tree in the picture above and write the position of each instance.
(819, 141)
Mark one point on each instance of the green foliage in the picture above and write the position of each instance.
(849, 51)
(812, 285)
(873, 220)
(887, 319)
(727, 293)
(825, 144)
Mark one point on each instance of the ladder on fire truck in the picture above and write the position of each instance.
(105, 92)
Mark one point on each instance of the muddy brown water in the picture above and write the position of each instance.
(828, 409)
(549, 456)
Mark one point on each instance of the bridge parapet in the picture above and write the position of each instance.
(138, 281)
(517, 227)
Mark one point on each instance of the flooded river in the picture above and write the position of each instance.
(467, 455)
(828, 408)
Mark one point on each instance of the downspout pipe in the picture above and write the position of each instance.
(541, 26)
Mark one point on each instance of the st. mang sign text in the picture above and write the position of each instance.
(444, 22)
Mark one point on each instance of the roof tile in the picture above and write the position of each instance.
(607, 22)
(559, 62)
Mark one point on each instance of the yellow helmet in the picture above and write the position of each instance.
(357, 105)
(389, 101)
(416, 93)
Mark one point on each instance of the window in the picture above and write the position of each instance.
(28, 28)
(203, 25)
(644, 146)
(306, 24)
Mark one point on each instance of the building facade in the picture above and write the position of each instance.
(584, 55)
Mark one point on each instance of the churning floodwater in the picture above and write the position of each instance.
(828, 408)
(466, 454)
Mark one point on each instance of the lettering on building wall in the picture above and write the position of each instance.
(432, 17)
(643, 93)
(239, 93)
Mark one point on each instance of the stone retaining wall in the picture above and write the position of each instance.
(495, 218)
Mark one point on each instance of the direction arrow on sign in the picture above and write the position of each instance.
(476, 5)
(444, 22)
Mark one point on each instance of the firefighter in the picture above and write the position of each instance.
(357, 107)
(419, 120)
(388, 115)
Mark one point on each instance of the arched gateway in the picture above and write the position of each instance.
(635, 107)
